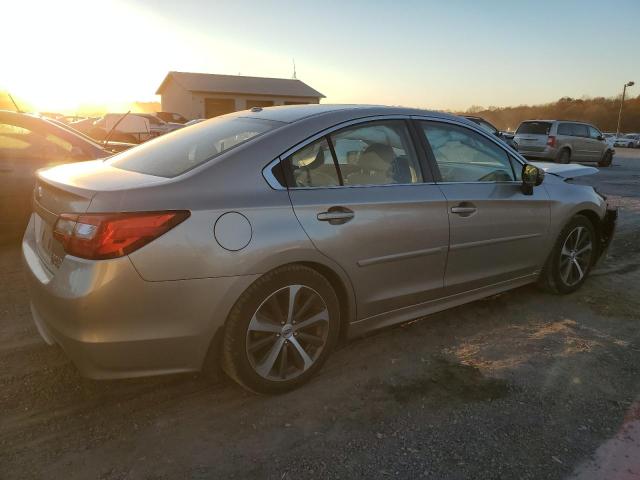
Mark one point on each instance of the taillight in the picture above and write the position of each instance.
(551, 141)
(99, 236)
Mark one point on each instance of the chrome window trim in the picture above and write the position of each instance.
(274, 184)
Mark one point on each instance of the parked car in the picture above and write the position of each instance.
(563, 142)
(633, 140)
(259, 238)
(171, 117)
(27, 143)
(490, 128)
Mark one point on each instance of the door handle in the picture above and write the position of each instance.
(465, 209)
(336, 215)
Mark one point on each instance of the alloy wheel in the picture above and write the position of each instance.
(287, 333)
(575, 256)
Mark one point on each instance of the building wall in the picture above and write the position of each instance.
(241, 100)
(176, 99)
(191, 105)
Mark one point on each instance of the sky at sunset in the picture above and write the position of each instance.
(60, 55)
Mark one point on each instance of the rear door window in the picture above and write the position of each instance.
(534, 128)
(376, 153)
(312, 166)
(565, 129)
(579, 130)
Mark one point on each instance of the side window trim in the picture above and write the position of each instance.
(272, 181)
(335, 159)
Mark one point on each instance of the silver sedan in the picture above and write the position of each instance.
(260, 239)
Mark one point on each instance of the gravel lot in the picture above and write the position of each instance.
(522, 385)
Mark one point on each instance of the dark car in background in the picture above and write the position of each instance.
(490, 128)
(28, 143)
(563, 141)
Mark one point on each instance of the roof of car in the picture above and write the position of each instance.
(294, 113)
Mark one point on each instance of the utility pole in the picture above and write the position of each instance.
(294, 70)
(624, 91)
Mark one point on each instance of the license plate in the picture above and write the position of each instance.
(45, 242)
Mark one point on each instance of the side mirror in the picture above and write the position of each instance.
(600, 137)
(532, 176)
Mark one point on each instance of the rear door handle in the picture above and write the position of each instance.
(336, 215)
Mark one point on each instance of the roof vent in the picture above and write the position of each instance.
(256, 109)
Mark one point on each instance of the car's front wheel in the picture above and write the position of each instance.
(281, 330)
(572, 257)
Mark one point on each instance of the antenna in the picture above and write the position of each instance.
(294, 70)
(16, 105)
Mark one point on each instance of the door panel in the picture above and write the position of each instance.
(502, 238)
(496, 232)
(391, 240)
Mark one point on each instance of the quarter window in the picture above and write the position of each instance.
(465, 156)
(377, 153)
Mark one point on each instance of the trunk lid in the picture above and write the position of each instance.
(70, 188)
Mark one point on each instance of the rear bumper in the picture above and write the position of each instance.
(549, 153)
(113, 324)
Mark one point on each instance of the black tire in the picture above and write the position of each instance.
(564, 156)
(606, 160)
(552, 278)
(236, 359)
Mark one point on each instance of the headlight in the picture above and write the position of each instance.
(601, 195)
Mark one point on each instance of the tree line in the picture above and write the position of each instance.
(601, 112)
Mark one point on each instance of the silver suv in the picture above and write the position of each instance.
(563, 142)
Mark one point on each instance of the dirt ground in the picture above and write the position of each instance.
(522, 385)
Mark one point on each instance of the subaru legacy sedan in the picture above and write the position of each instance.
(261, 238)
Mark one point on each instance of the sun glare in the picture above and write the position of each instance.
(100, 56)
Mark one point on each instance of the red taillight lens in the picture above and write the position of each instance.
(99, 236)
(551, 141)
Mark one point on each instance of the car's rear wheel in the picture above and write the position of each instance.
(281, 330)
(572, 257)
(564, 156)
(606, 160)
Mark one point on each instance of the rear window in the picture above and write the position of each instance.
(175, 153)
(534, 128)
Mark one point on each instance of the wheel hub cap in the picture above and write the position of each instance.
(287, 333)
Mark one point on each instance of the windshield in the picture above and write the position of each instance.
(534, 128)
(175, 153)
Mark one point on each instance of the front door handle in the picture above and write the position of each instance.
(336, 215)
(464, 209)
